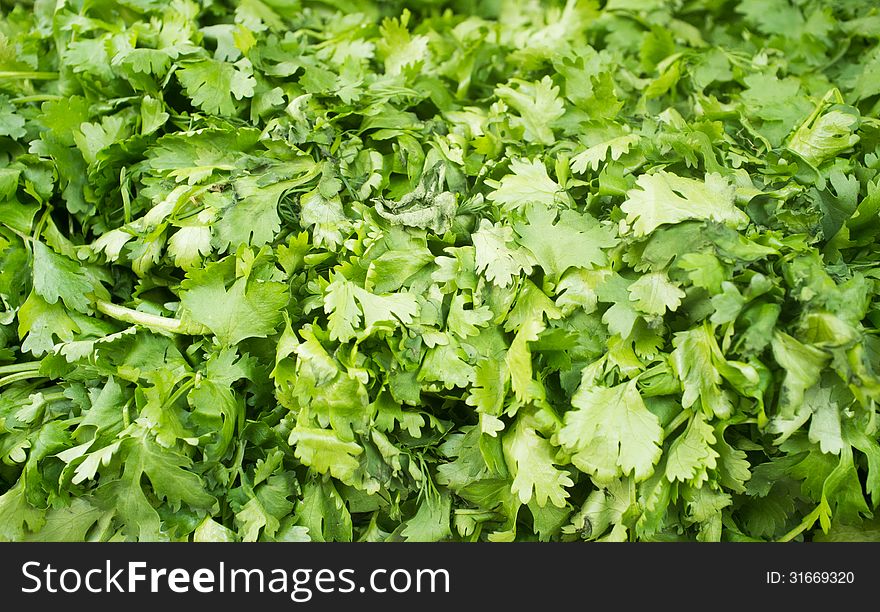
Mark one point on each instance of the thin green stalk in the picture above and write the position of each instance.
(126, 419)
(805, 524)
(24, 237)
(180, 391)
(151, 321)
(54, 397)
(12, 378)
(126, 195)
(680, 418)
(24, 366)
(27, 74)
(36, 98)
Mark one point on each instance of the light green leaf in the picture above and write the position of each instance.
(654, 294)
(663, 198)
(611, 433)
(531, 460)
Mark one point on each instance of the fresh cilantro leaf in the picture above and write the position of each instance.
(214, 85)
(248, 308)
(611, 433)
(666, 198)
(531, 460)
(575, 240)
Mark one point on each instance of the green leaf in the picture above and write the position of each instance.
(249, 308)
(56, 276)
(39, 322)
(611, 433)
(663, 198)
(531, 460)
(691, 455)
(654, 294)
(538, 105)
(695, 361)
(346, 302)
(497, 255)
(323, 512)
(575, 241)
(733, 464)
(260, 516)
(18, 514)
(325, 216)
(11, 124)
(325, 453)
(826, 136)
(167, 471)
(803, 366)
(447, 364)
(210, 530)
(466, 322)
(592, 156)
(70, 523)
(213, 84)
(519, 360)
(529, 183)
(431, 521)
(252, 219)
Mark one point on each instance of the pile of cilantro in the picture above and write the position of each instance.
(377, 270)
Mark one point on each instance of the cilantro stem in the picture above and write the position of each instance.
(151, 321)
(24, 237)
(680, 418)
(25, 74)
(36, 98)
(12, 378)
(25, 366)
(53, 397)
(124, 191)
(126, 419)
(180, 391)
(803, 526)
